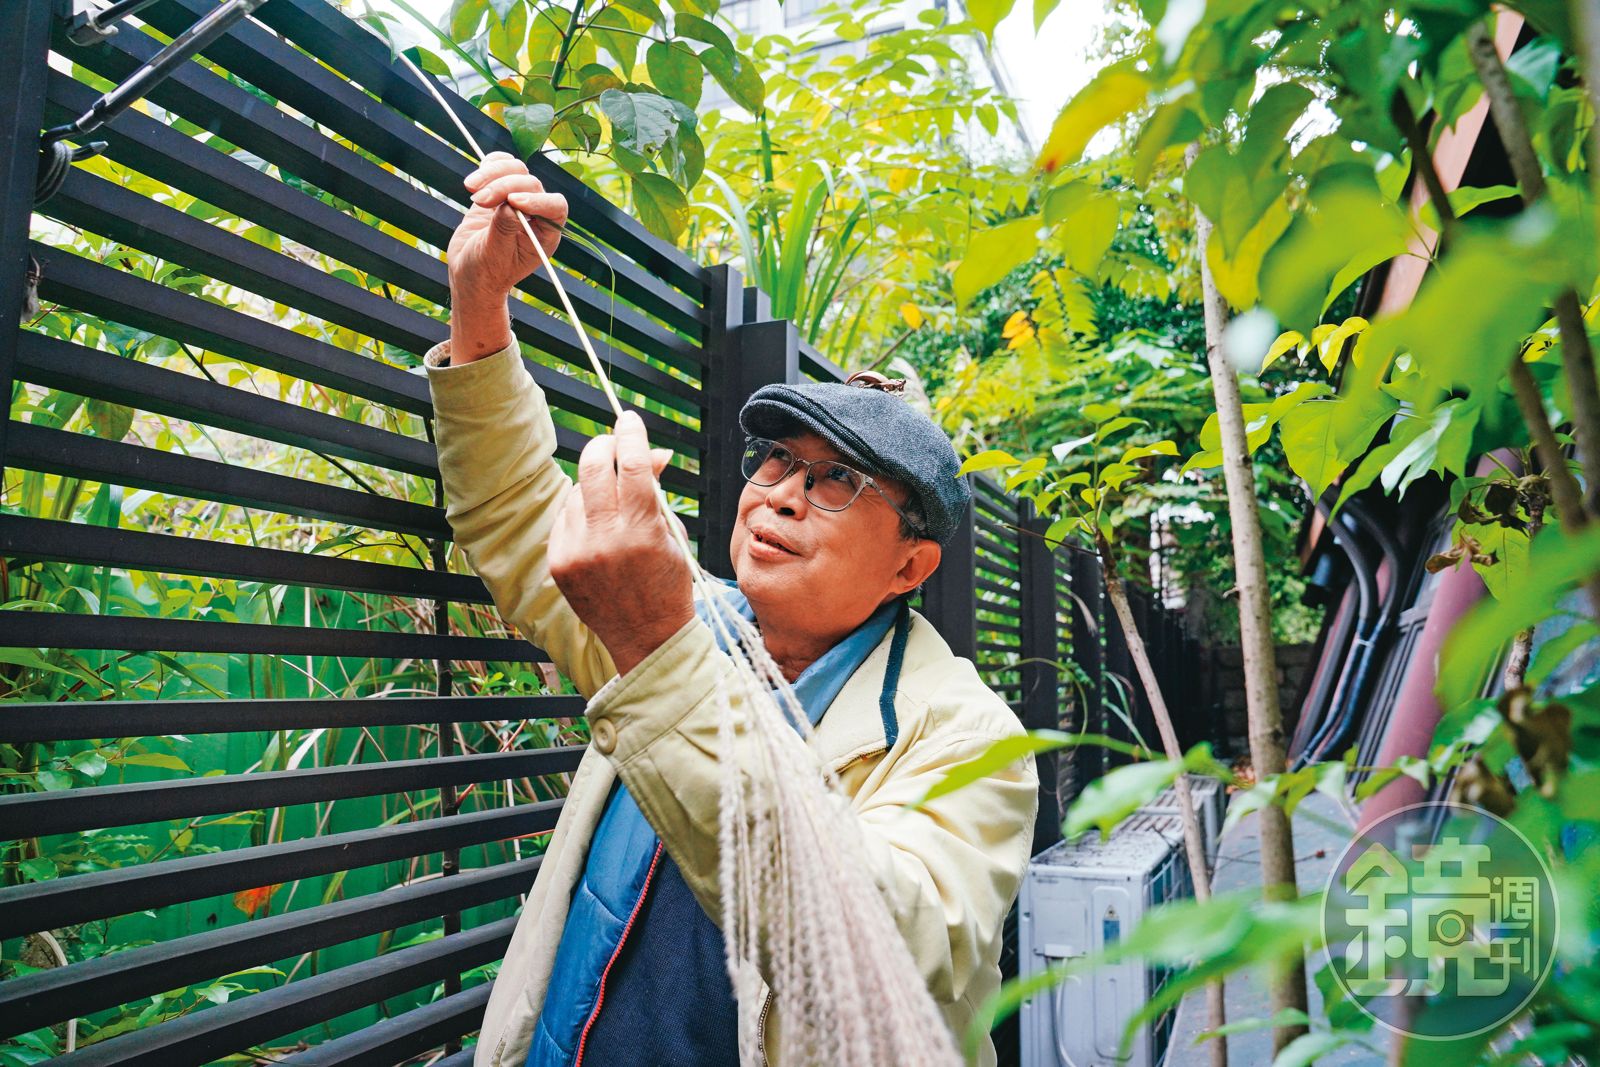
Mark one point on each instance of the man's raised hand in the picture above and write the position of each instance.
(490, 252)
(612, 554)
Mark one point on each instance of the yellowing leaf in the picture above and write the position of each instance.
(1238, 277)
(986, 14)
(1329, 347)
(1287, 342)
(1017, 323)
(992, 459)
(992, 254)
(1112, 94)
(912, 314)
(251, 901)
(1160, 448)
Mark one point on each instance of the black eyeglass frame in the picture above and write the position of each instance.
(867, 481)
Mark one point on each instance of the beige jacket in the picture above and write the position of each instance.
(949, 872)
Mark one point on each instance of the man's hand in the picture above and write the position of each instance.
(490, 252)
(612, 554)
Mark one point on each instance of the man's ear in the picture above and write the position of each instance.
(920, 562)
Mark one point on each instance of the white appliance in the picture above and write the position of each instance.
(1211, 804)
(1076, 899)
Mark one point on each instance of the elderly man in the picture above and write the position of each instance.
(850, 493)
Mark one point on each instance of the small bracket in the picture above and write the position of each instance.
(83, 23)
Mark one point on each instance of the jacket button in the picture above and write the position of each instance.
(604, 735)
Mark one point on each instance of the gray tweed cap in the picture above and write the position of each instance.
(879, 431)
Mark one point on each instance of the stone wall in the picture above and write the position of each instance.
(1226, 688)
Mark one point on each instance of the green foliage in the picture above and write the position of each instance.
(570, 77)
(1303, 155)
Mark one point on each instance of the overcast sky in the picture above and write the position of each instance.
(1048, 67)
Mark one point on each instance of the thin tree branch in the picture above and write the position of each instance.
(1577, 356)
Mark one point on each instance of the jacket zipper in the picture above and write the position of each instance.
(761, 1027)
(600, 997)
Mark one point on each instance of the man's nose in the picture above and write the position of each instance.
(788, 497)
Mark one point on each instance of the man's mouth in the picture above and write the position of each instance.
(772, 542)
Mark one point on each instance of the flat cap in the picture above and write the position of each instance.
(876, 429)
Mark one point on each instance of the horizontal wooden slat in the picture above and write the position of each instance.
(398, 1039)
(104, 894)
(78, 455)
(48, 997)
(250, 1020)
(121, 296)
(78, 720)
(76, 810)
(348, 47)
(228, 183)
(139, 222)
(36, 629)
(73, 368)
(27, 540)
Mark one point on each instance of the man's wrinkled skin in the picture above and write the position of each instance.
(812, 576)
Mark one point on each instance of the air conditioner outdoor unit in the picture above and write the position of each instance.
(1078, 898)
(1211, 803)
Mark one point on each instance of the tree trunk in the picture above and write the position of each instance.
(1267, 746)
(1194, 844)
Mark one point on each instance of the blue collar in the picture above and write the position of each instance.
(819, 684)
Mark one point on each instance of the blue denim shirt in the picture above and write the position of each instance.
(640, 975)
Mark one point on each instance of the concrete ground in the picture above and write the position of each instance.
(1320, 832)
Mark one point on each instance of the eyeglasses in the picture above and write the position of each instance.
(829, 485)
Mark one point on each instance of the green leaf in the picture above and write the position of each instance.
(1088, 232)
(640, 122)
(1509, 573)
(1287, 342)
(986, 14)
(1160, 448)
(675, 71)
(530, 127)
(660, 205)
(738, 77)
(164, 760)
(38, 869)
(992, 253)
(698, 29)
(1108, 800)
(1558, 563)
(1310, 445)
(613, 31)
(1115, 426)
(998, 756)
(1114, 92)
(89, 763)
(992, 459)
(1349, 227)
(1286, 1017)
(30, 658)
(109, 421)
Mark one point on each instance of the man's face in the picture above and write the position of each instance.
(827, 570)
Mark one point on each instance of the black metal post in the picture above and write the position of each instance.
(1040, 707)
(1088, 652)
(950, 595)
(743, 354)
(24, 54)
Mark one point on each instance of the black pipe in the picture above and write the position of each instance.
(1379, 615)
(56, 158)
(1367, 601)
